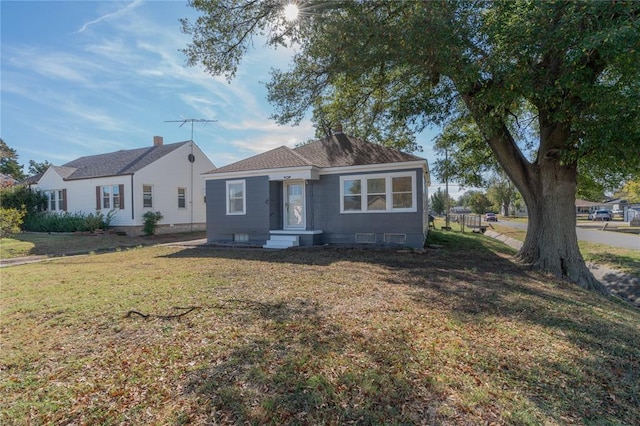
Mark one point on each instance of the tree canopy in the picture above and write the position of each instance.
(9, 162)
(568, 71)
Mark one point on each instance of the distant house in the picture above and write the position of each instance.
(164, 178)
(7, 181)
(339, 190)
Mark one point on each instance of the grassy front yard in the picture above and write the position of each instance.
(457, 335)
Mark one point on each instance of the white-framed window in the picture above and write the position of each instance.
(55, 199)
(392, 192)
(182, 198)
(236, 197)
(147, 196)
(110, 196)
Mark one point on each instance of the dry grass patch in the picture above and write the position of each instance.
(61, 244)
(459, 335)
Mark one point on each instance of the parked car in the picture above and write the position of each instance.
(490, 217)
(600, 215)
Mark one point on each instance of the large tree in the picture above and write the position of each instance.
(573, 68)
(9, 162)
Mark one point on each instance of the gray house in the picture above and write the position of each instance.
(339, 190)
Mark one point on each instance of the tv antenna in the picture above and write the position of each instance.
(190, 120)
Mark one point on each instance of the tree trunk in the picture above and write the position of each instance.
(551, 244)
(549, 190)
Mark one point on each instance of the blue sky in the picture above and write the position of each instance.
(87, 77)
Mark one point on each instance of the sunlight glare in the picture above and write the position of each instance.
(291, 12)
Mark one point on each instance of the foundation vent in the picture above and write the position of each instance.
(241, 238)
(395, 238)
(365, 238)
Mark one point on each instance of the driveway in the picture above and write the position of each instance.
(593, 233)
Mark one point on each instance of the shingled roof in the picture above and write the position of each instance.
(339, 150)
(124, 162)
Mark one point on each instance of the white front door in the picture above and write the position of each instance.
(294, 211)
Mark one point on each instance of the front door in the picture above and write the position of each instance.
(294, 212)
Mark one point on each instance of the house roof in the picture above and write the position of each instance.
(117, 163)
(339, 150)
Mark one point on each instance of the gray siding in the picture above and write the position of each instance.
(341, 228)
(264, 212)
(275, 205)
(256, 221)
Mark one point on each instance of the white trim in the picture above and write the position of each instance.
(422, 164)
(244, 196)
(315, 172)
(285, 200)
(184, 197)
(388, 192)
(151, 186)
(295, 232)
(283, 173)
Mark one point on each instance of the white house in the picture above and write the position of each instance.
(164, 178)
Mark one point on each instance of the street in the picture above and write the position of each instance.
(593, 234)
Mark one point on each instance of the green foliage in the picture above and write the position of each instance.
(11, 221)
(37, 168)
(9, 162)
(517, 66)
(151, 220)
(21, 197)
(68, 222)
(502, 193)
(439, 201)
(477, 201)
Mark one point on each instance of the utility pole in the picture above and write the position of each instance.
(446, 188)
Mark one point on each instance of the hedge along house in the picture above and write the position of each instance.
(164, 178)
(339, 190)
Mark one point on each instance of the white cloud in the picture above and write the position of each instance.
(108, 16)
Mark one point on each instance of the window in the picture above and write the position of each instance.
(236, 200)
(394, 192)
(402, 192)
(106, 197)
(182, 198)
(110, 197)
(376, 194)
(147, 196)
(352, 195)
(56, 199)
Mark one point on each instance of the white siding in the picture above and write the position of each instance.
(166, 175)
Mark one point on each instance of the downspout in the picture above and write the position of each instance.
(132, 198)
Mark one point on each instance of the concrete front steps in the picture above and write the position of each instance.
(282, 242)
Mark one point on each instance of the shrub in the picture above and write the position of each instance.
(151, 220)
(93, 222)
(11, 221)
(23, 198)
(68, 222)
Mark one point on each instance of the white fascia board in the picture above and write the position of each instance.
(302, 172)
(376, 167)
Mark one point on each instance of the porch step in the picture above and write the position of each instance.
(282, 242)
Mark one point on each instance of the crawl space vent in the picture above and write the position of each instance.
(241, 237)
(395, 238)
(365, 238)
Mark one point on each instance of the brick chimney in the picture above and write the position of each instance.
(337, 128)
(157, 141)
